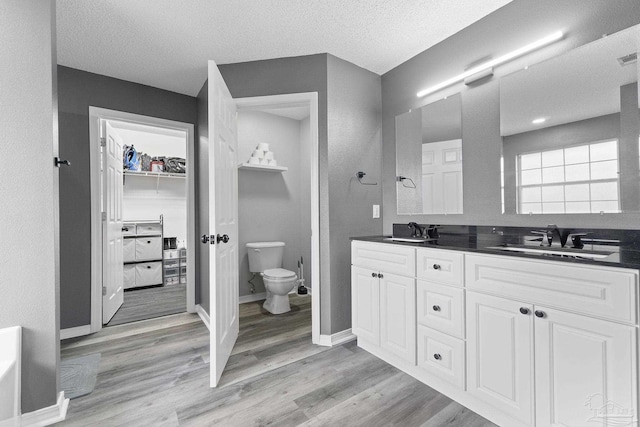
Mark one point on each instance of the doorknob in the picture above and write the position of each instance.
(205, 238)
(57, 162)
(224, 238)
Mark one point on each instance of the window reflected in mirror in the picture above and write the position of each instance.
(570, 130)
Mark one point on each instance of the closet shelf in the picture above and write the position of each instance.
(155, 174)
(263, 167)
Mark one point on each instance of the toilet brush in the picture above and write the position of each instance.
(302, 290)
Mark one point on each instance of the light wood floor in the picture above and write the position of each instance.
(147, 303)
(156, 373)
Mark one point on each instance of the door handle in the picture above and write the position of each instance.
(224, 238)
(57, 162)
(205, 239)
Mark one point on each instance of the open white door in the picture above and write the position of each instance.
(218, 181)
(112, 267)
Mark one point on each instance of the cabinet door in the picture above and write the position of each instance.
(585, 370)
(365, 304)
(500, 354)
(398, 315)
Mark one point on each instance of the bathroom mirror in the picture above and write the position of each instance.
(429, 158)
(570, 131)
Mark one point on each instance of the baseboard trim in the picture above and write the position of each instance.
(337, 338)
(78, 331)
(203, 315)
(42, 417)
(252, 297)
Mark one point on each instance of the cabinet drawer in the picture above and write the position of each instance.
(128, 229)
(440, 266)
(149, 273)
(592, 290)
(148, 248)
(129, 250)
(129, 276)
(441, 355)
(148, 228)
(441, 307)
(389, 258)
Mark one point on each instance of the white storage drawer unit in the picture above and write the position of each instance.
(148, 248)
(149, 273)
(142, 254)
(440, 266)
(441, 355)
(441, 308)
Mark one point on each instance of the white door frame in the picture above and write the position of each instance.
(311, 99)
(95, 116)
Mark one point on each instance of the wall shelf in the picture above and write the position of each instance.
(264, 168)
(155, 174)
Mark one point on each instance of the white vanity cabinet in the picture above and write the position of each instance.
(383, 304)
(565, 330)
(523, 342)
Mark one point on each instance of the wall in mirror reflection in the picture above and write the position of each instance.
(429, 158)
(571, 131)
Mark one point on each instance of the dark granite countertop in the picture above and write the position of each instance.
(617, 248)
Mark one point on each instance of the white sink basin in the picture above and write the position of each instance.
(551, 252)
(409, 239)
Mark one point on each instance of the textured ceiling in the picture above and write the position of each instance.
(166, 43)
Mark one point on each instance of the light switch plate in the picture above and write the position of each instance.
(376, 211)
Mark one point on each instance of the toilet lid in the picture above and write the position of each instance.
(279, 273)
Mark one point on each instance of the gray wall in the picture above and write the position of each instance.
(270, 205)
(77, 91)
(354, 132)
(510, 27)
(28, 218)
(349, 140)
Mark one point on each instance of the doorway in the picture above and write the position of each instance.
(294, 186)
(154, 272)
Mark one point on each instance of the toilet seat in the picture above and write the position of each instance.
(278, 274)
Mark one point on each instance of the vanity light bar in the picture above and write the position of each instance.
(502, 59)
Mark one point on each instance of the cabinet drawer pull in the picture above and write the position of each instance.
(148, 266)
(539, 313)
(436, 308)
(524, 310)
(374, 275)
(380, 276)
(148, 241)
(437, 356)
(436, 266)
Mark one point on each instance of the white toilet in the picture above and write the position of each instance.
(266, 258)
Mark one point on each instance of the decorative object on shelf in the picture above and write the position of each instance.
(157, 165)
(263, 160)
(130, 158)
(361, 175)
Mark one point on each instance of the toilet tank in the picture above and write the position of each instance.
(265, 255)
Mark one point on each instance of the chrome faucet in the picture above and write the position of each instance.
(553, 236)
(417, 229)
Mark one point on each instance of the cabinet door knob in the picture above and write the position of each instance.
(380, 276)
(374, 275)
(539, 313)
(437, 356)
(436, 308)
(524, 310)
(436, 266)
